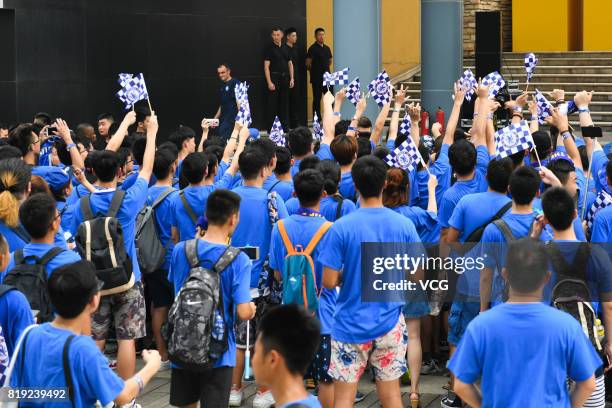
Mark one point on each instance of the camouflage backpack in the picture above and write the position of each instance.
(195, 331)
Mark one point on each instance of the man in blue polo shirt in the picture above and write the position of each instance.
(228, 108)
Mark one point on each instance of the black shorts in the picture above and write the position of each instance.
(320, 364)
(159, 288)
(211, 387)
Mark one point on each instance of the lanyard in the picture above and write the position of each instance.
(307, 212)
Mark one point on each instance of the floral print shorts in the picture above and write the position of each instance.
(386, 355)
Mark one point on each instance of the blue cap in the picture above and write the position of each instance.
(55, 177)
(253, 133)
(559, 155)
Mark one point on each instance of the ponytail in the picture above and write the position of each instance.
(14, 180)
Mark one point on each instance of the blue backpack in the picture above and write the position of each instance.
(299, 279)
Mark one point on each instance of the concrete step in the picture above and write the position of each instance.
(556, 69)
(570, 88)
(578, 61)
(566, 54)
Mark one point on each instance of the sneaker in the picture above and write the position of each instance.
(263, 400)
(112, 364)
(429, 367)
(360, 396)
(167, 365)
(236, 394)
(451, 400)
(131, 404)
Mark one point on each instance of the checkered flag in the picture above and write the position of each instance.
(544, 107)
(380, 88)
(468, 83)
(336, 78)
(4, 358)
(316, 127)
(603, 200)
(353, 91)
(277, 135)
(495, 81)
(405, 156)
(241, 91)
(513, 139)
(244, 114)
(531, 61)
(406, 125)
(133, 89)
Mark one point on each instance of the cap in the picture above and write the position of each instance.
(560, 156)
(253, 133)
(55, 177)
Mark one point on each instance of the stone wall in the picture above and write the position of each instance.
(469, 22)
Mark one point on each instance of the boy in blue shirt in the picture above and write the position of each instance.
(286, 344)
(184, 139)
(283, 183)
(211, 387)
(125, 309)
(300, 229)
(602, 223)
(259, 211)
(74, 293)
(344, 149)
(369, 332)
(547, 344)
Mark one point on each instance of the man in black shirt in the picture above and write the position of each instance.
(294, 93)
(228, 107)
(278, 70)
(318, 61)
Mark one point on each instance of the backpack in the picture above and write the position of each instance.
(571, 293)
(339, 200)
(31, 280)
(476, 235)
(195, 331)
(299, 279)
(190, 212)
(149, 249)
(99, 239)
(273, 185)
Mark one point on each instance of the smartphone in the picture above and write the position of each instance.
(591, 131)
(212, 122)
(252, 252)
(51, 131)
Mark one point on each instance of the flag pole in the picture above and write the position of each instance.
(586, 189)
(537, 155)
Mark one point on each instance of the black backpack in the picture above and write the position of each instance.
(99, 239)
(571, 293)
(476, 235)
(195, 331)
(31, 280)
(149, 249)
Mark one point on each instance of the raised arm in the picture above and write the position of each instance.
(380, 123)
(338, 99)
(64, 131)
(451, 126)
(329, 122)
(432, 183)
(561, 122)
(359, 109)
(117, 139)
(534, 125)
(415, 116)
(243, 136)
(231, 143)
(149, 154)
(205, 128)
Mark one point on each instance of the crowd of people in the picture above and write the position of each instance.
(237, 254)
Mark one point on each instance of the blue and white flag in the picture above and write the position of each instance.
(241, 91)
(336, 78)
(603, 200)
(316, 128)
(277, 134)
(512, 139)
(468, 83)
(133, 89)
(244, 114)
(380, 88)
(405, 156)
(496, 83)
(406, 125)
(544, 107)
(531, 61)
(353, 91)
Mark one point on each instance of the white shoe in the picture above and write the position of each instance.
(165, 365)
(235, 399)
(263, 400)
(131, 404)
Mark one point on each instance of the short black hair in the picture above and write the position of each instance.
(498, 174)
(169, 146)
(106, 116)
(283, 160)
(517, 158)
(543, 143)
(524, 184)
(300, 141)
(318, 29)
(381, 152)
(194, 167)
(124, 154)
(37, 213)
(309, 186)
(212, 163)
(309, 162)
(162, 166)
(369, 174)
(221, 205)
(21, 137)
(142, 112)
(105, 165)
(462, 157)
(181, 134)
(251, 162)
(561, 168)
(290, 30)
(364, 122)
(364, 147)
(226, 65)
(42, 118)
(341, 127)
(293, 333)
(138, 148)
(9, 152)
(71, 287)
(276, 28)
(331, 174)
(558, 208)
(215, 150)
(526, 264)
(266, 146)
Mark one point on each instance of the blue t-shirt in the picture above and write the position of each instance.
(473, 210)
(39, 250)
(442, 169)
(324, 153)
(221, 169)
(347, 187)
(133, 202)
(547, 233)
(282, 188)
(311, 402)
(602, 226)
(300, 230)
(356, 321)
(15, 316)
(425, 222)
(422, 177)
(93, 380)
(598, 169)
(163, 218)
(66, 214)
(328, 207)
(196, 197)
(477, 184)
(234, 285)
(254, 228)
(17, 241)
(524, 354)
